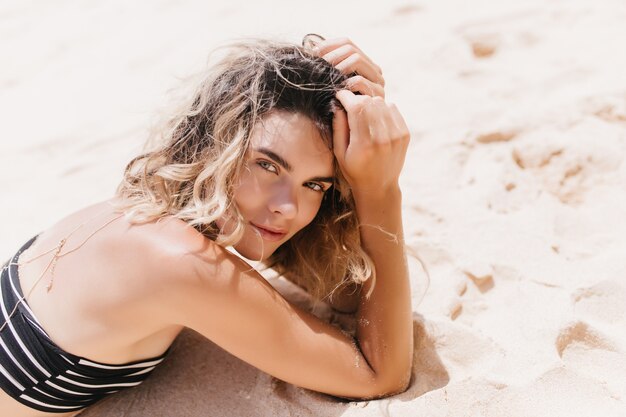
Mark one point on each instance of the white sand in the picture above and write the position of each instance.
(514, 186)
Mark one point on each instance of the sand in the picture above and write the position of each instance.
(514, 185)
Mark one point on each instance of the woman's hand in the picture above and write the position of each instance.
(344, 55)
(370, 142)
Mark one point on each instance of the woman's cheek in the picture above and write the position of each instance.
(313, 202)
(251, 190)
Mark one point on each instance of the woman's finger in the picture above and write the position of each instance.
(356, 107)
(360, 84)
(357, 63)
(399, 123)
(335, 56)
(329, 45)
(379, 121)
(341, 134)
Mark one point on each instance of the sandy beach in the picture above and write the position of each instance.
(514, 188)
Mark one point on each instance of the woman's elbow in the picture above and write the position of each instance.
(394, 388)
(382, 390)
(398, 389)
(394, 383)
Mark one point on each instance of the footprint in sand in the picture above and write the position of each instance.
(481, 275)
(484, 45)
(610, 108)
(566, 171)
(487, 37)
(580, 336)
(453, 307)
(590, 352)
(611, 114)
(501, 135)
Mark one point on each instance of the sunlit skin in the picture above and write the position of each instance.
(287, 170)
(203, 287)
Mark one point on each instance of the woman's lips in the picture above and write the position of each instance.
(269, 235)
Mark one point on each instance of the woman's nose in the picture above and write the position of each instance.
(284, 202)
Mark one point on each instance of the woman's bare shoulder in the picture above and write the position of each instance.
(182, 255)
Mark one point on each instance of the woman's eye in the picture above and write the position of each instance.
(268, 166)
(315, 187)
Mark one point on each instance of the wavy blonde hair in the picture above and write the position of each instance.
(192, 162)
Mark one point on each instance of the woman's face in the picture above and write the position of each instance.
(287, 170)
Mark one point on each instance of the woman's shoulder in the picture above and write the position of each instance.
(167, 251)
(193, 274)
(179, 253)
(164, 248)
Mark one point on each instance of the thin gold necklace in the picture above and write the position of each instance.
(57, 254)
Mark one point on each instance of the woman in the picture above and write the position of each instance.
(288, 154)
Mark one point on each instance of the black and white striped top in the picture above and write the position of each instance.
(38, 373)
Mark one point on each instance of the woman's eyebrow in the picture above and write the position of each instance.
(330, 180)
(276, 158)
(281, 161)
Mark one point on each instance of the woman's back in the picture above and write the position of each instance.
(104, 300)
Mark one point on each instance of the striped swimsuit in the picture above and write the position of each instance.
(38, 373)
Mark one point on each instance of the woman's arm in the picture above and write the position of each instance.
(218, 295)
(370, 143)
(384, 321)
